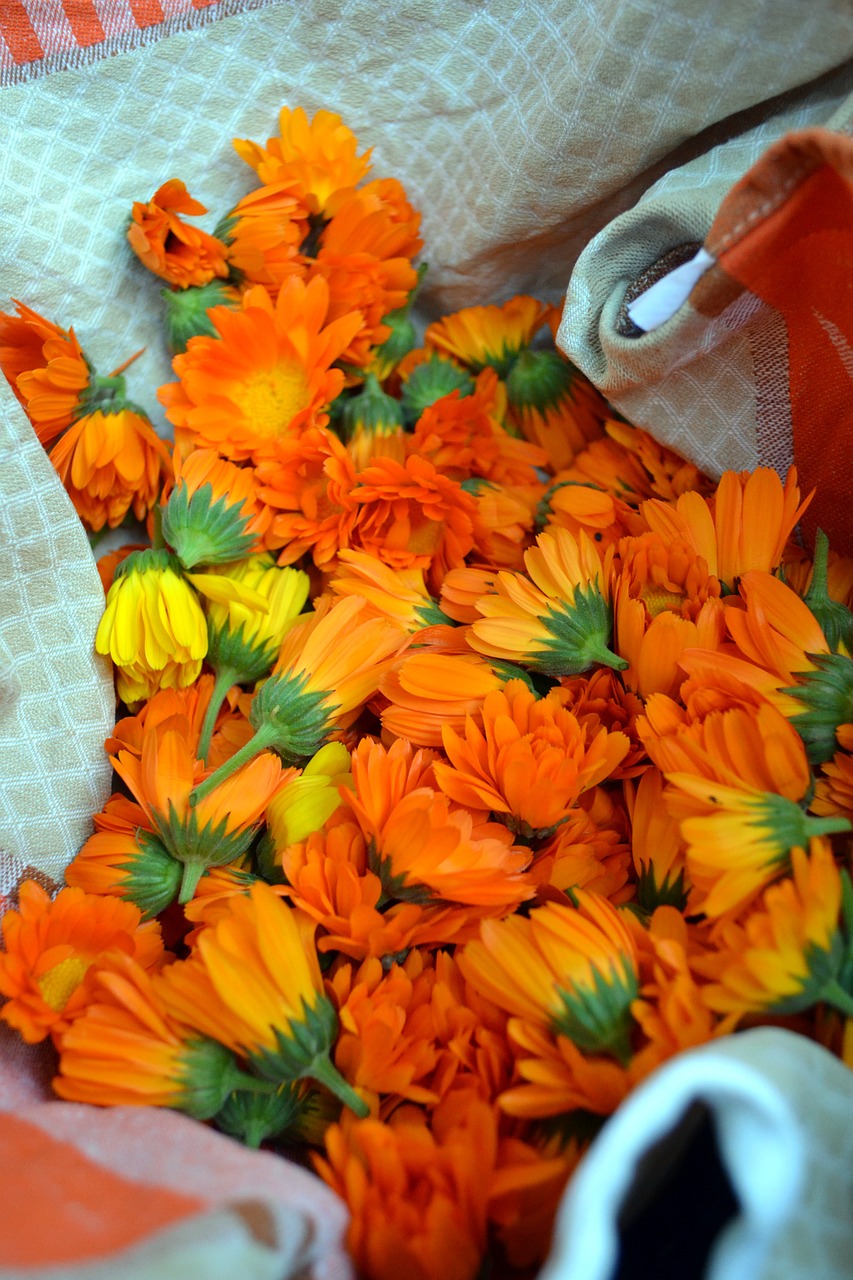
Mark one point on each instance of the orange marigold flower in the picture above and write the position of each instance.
(45, 367)
(411, 516)
(267, 376)
(556, 1077)
(556, 619)
(124, 1050)
(531, 760)
(317, 157)
(125, 859)
(656, 845)
(588, 851)
(834, 788)
(776, 629)
(382, 777)
(572, 505)
(744, 526)
(417, 1189)
(111, 462)
(569, 971)
(214, 514)
(426, 690)
(505, 520)
(738, 776)
(786, 955)
(365, 257)
(464, 438)
(492, 336)
(602, 695)
(49, 947)
(170, 247)
(400, 595)
(263, 233)
(308, 485)
(669, 475)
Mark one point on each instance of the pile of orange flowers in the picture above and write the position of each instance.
(476, 753)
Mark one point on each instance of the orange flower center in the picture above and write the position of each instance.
(271, 398)
(60, 982)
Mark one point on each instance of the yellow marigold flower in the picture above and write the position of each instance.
(531, 760)
(744, 526)
(557, 619)
(153, 627)
(49, 946)
(45, 367)
(111, 462)
(788, 953)
(307, 800)
(254, 984)
(267, 376)
(569, 971)
(315, 157)
(125, 1050)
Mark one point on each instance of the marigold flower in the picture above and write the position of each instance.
(588, 851)
(557, 1078)
(372, 424)
(309, 486)
(744, 526)
(308, 799)
(317, 157)
(125, 858)
(153, 627)
(656, 845)
(263, 233)
(49, 947)
(505, 520)
(400, 595)
(266, 376)
(125, 1050)
(214, 514)
(203, 831)
(775, 629)
(411, 516)
(253, 984)
(417, 1189)
(834, 786)
(788, 952)
(382, 776)
(737, 779)
(170, 247)
(531, 760)
(556, 620)
(493, 336)
(427, 690)
(45, 367)
(111, 462)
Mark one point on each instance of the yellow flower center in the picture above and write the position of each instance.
(271, 398)
(59, 983)
(657, 600)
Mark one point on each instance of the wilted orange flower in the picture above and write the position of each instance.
(531, 760)
(426, 690)
(111, 462)
(266, 376)
(744, 526)
(45, 367)
(365, 256)
(463, 437)
(317, 157)
(49, 947)
(411, 516)
(417, 1189)
(308, 485)
(170, 247)
(786, 955)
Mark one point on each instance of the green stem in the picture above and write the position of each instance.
(321, 1070)
(834, 994)
(226, 677)
(265, 737)
(825, 826)
(192, 873)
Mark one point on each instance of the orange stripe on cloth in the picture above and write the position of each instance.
(146, 13)
(85, 23)
(17, 30)
(61, 1207)
(785, 233)
(203, 4)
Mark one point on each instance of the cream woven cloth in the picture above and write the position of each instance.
(522, 130)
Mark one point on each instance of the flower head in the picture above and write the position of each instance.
(45, 367)
(173, 249)
(214, 514)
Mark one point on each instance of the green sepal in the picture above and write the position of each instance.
(509, 671)
(651, 895)
(372, 410)
(209, 1075)
(302, 1052)
(149, 559)
(827, 695)
(400, 341)
(227, 649)
(598, 1019)
(397, 888)
(823, 967)
(253, 1117)
(200, 848)
(580, 630)
(845, 968)
(579, 1126)
(835, 619)
(187, 312)
(153, 878)
(431, 381)
(204, 532)
(790, 827)
(296, 723)
(539, 380)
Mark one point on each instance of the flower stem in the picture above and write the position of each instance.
(226, 677)
(834, 994)
(264, 737)
(324, 1073)
(192, 873)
